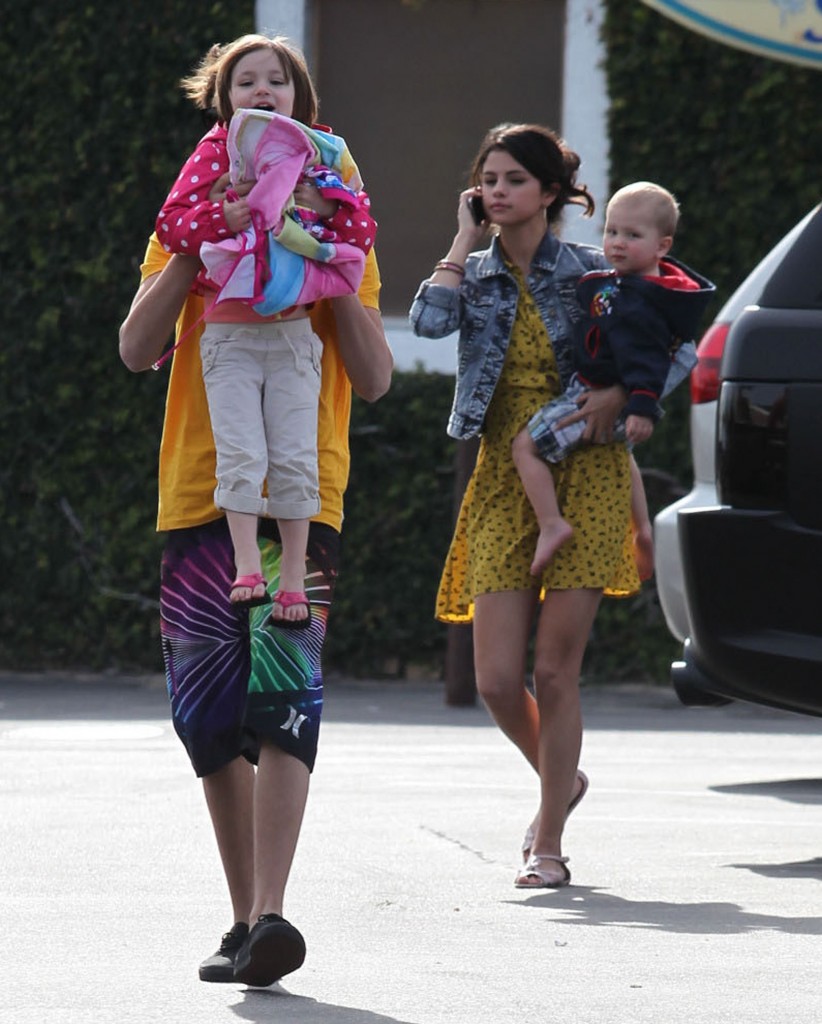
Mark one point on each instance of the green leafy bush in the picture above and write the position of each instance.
(95, 128)
(399, 511)
(734, 137)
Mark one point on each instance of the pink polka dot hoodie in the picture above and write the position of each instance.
(189, 218)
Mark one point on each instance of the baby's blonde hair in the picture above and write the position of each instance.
(660, 203)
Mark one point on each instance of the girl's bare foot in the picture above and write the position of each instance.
(249, 589)
(552, 535)
(290, 606)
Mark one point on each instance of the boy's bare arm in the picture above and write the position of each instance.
(363, 347)
(154, 311)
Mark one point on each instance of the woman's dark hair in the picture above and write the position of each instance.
(545, 155)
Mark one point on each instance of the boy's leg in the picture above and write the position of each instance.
(229, 794)
(228, 699)
(285, 691)
(280, 797)
(206, 653)
(538, 483)
(273, 946)
(283, 711)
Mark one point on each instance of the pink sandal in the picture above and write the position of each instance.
(287, 599)
(250, 582)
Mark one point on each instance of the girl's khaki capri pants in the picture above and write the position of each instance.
(263, 384)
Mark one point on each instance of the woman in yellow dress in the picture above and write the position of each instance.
(515, 308)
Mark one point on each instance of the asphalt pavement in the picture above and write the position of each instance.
(696, 860)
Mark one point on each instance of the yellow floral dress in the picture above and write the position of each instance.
(496, 529)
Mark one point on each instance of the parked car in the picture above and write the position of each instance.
(739, 559)
(704, 385)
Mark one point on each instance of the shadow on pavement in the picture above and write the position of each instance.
(277, 1004)
(796, 791)
(584, 905)
(796, 869)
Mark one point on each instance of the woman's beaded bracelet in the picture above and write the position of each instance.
(455, 268)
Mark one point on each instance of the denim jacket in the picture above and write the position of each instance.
(483, 309)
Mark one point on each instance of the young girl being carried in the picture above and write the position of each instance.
(260, 357)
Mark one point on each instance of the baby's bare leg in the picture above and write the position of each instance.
(538, 482)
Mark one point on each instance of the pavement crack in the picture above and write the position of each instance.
(460, 845)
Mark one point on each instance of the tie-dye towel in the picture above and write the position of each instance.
(280, 262)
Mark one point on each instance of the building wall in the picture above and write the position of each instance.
(585, 109)
(413, 90)
(416, 95)
(283, 18)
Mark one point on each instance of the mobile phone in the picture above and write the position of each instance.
(477, 209)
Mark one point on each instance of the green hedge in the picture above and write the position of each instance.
(94, 129)
(399, 511)
(733, 135)
(736, 138)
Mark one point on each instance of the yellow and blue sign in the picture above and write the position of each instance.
(783, 29)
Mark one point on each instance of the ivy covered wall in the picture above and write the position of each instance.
(734, 136)
(94, 129)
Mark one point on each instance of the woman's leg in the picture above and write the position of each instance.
(546, 727)
(502, 624)
(206, 653)
(562, 636)
(283, 709)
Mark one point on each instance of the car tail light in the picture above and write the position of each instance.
(705, 375)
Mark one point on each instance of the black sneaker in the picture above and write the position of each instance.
(273, 949)
(220, 966)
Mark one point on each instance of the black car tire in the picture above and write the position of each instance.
(689, 684)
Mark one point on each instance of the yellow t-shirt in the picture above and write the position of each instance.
(187, 456)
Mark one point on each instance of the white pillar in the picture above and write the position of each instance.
(282, 18)
(584, 113)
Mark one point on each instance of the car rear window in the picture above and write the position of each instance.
(752, 291)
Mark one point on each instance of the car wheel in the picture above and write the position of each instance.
(691, 685)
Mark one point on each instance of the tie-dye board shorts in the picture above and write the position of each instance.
(234, 679)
